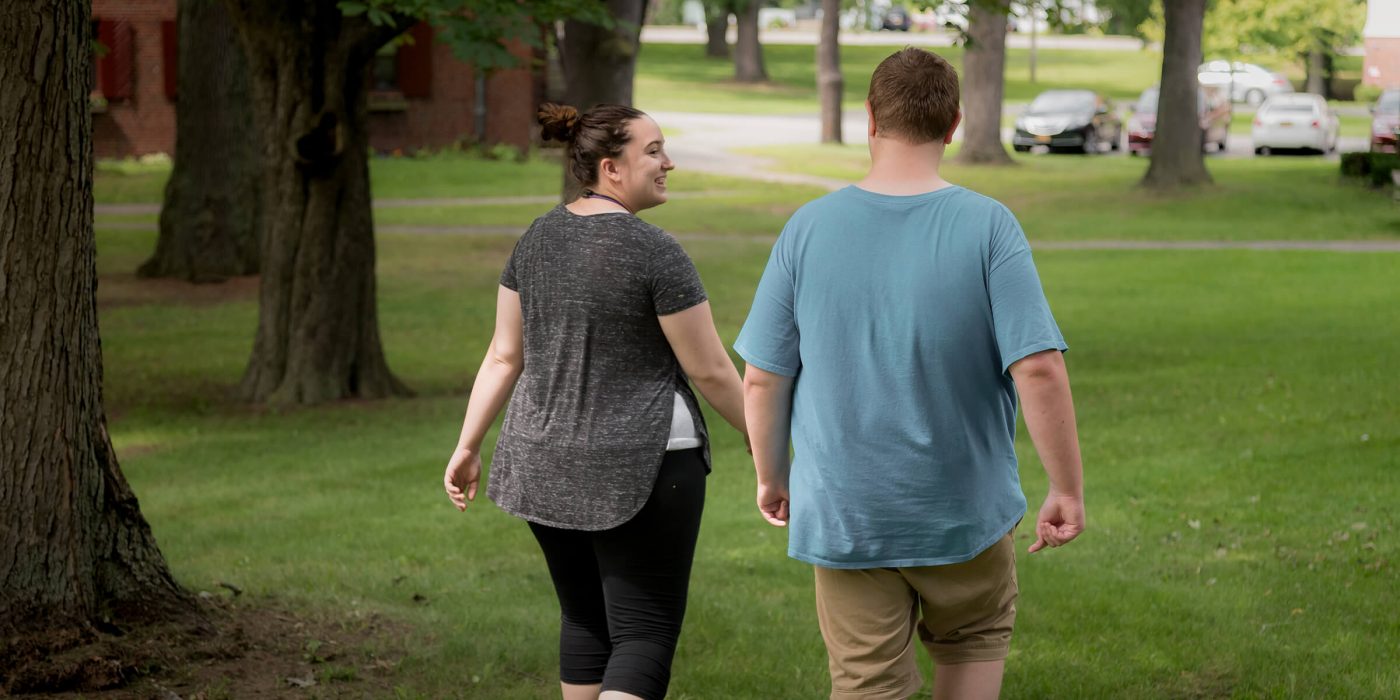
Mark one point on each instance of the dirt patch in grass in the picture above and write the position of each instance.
(115, 291)
(243, 649)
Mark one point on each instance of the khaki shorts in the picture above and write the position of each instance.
(962, 612)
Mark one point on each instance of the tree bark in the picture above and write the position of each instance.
(599, 64)
(984, 82)
(1177, 156)
(318, 325)
(74, 548)
(716, 26)
(1317, 71)
(829, 81)
(748, 52)
(209, 221)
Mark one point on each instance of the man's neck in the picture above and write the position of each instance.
(898, 168)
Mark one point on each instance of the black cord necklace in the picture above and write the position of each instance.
(590, 194)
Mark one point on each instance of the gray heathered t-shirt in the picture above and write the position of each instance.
(588, 423)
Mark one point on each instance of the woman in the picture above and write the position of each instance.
(601, 317)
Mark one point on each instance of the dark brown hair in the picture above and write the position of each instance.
(914, 96)
(599, 133)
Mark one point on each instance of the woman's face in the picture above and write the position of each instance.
(639, 174)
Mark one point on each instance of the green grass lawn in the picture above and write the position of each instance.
(1236, 413)
(679, 78)
(1068, 197)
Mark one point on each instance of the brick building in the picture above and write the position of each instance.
(421, 95)
(1382, 37)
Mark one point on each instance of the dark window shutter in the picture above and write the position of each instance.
(170, 57)
(415, 63)
(114, 69)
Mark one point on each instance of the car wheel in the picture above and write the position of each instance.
(1022, 149)
(1117, 144)
(1264, 151)
(1224, 144)
(1091, 141)
(1254, 97)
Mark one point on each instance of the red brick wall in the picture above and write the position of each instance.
(448, 115)
(1382, 64)
(144, 122)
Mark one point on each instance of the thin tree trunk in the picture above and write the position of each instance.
(748, 52)
(318, 324)
(74, 548)
(1177, 157)
(209, 221)
(599, 64)
(829, 82)
(1317, 71)
(984, 80)
(716, 26)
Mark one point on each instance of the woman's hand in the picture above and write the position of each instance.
(462, 476)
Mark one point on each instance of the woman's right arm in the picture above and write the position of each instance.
(504, 361)
(697, 346)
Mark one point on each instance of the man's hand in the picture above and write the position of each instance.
(773, 504)
(461, 478)
(1061, 520)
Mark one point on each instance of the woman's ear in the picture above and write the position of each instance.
(607, 167)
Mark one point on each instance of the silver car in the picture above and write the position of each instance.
(1246, 82)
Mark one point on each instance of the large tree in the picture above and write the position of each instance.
(748, 51)
(209, 220)
(75, 552)
(983, 83)
(717, 14)
(1309, 31)
(599, 61)
(318, 330)
(1177, 156)
(829, 82)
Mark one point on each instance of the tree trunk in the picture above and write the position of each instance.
(829, 82)
(984, 80)
(1317, 71)
(1177, 156)
(748, 53)
(599, 64)
(716, 26)
(318, 325)
(209, 221)
(74, 548)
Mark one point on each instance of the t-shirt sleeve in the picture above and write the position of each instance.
(770, 338)
(1020, 313)
(674, 281)
(508, 279)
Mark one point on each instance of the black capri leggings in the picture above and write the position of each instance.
(622, 591)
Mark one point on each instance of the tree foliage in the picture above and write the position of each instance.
(480, 31)
(1289, 28)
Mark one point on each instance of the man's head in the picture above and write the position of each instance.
(914, 97)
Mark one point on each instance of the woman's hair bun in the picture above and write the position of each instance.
(558, 122)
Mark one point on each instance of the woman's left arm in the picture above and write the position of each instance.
(697, 346)
(504, 361)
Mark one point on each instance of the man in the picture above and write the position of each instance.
(892, 330)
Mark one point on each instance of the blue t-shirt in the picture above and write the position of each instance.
(899, 316)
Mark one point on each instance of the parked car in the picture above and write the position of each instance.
(1300, 120)
(1082, 120)
(1385, 121)
(1246, 82)
(896, 19)
(1213, 114)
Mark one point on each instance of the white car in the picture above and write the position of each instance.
(1299, 120)
(1246, 82)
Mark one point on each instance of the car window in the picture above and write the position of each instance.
(1214, 67)
(1389, 101)
(1292, 108)
(1062, 102)
(1147, 101)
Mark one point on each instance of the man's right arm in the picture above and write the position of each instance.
(1042, 382)
(768, 411)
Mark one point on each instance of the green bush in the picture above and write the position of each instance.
(1367, 94)
(1381, 165)
(1356, 164)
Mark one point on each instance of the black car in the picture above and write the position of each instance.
(1078, 120)
(896, 19)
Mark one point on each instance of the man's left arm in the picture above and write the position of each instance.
(768, 412)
